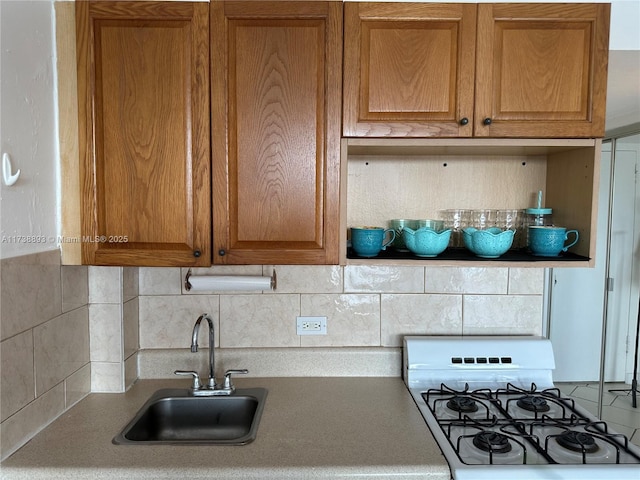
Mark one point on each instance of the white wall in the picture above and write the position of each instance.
(28, 127)
(625, 18)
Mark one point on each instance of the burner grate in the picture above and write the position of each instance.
(577, 441)
(462, 404)
(533, 403)
(493, 442)
(459, 402)
(489, 423)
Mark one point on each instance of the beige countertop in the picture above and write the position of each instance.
(357, 427)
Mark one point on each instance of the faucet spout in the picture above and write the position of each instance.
(194, 346)
(212, 387)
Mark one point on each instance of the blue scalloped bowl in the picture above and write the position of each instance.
(425, 241)
(490, 243)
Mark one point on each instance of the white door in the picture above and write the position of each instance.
(622, 302)
(576, 296)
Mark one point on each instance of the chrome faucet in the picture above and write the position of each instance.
(212, 387)
(212, 352)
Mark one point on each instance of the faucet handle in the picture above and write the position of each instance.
(196, 377)
(228, 384)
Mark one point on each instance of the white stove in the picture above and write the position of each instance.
(492, 407)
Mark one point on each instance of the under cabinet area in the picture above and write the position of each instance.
(385, 179)
(143, 94)
(486, 70)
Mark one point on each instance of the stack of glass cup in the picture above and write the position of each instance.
(483, 219)
(456, 220)
(513, 219)
(459, 219)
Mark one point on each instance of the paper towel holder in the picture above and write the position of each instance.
(187, 284)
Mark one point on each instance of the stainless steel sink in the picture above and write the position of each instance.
(174, 416)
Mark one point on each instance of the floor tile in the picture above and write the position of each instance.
(617, 408)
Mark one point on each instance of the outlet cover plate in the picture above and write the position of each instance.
(311, 325)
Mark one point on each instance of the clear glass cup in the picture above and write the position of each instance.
(483, 218)
(456, 220)
(398, 225)
(437, 225)
(512, 219)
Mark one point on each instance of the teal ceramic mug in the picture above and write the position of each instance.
(369, 241)
(550, 241)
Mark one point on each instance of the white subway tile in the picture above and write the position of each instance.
(61, 347)
(105, 332)
(306, 278)
(383, 279)
(352, 319)
(167, 321)
(526, 281)
(19, 428)
(77, 385)
(107, 377)
(159, 281)
(502, 315)
(131, 327)
(31, 292)
(17, 380)
(105, 284)
(468, 280)
(75, 287)
(130, 283)
(426, 314)
(130, 371)
(259, 320)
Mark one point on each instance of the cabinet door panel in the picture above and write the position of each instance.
(277, 153)
(408, 69)
(143, 78)
(541, 70)
(276, 178)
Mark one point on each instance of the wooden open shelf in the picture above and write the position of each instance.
(384, 179)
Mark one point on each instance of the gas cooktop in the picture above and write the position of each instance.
(507, 424)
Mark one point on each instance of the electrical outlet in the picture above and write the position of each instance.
(311, 325)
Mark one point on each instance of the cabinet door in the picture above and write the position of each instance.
(409, 69)
(143, 80)
(541, 70)
(276, 90)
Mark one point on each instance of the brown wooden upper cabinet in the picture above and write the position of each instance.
(276, 95)
(143, 90)
(487, 70)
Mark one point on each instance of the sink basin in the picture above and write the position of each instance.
(174, 416)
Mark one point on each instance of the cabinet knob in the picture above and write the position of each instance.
(197, 253)
(487, 121)
(464, 121)
(221, 252)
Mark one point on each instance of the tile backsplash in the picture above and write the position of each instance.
(44, 344)
(69, 330)
(365, 306)
(65, 331)
(113, 327)
(368, 308)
